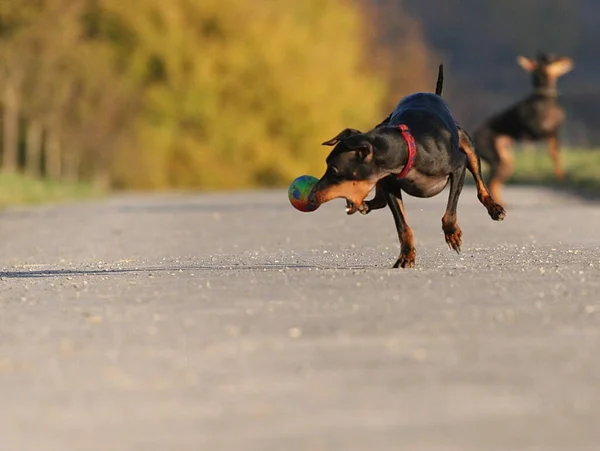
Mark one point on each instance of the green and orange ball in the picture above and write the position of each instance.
(298, 193)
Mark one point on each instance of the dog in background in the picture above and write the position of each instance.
(538, 117)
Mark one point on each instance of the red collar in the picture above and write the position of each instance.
(412, 150)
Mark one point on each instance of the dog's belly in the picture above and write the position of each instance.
(422, 185)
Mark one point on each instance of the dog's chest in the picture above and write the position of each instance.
(552, 119)
(422, 185)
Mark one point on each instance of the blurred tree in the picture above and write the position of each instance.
(240, 93)
(480, 40)
(195, 93)
(399, 51)
(72, 91)
(13, 18)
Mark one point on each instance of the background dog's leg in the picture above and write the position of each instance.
(407, 246)
(495, 210)
(502, 169)
(554, 151)
(452, 231)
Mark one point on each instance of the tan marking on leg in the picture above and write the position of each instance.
(452, 232)
(408, 252)
(502, 145)
(495, 210)
(407, 248)
(553, 151)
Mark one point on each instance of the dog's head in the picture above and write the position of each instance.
(352, 170)
(546, 68)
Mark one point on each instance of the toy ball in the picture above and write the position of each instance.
(298, 193)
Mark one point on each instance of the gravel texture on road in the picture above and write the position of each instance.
(227, 322)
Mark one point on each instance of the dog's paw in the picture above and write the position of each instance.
(350, 208)
(362, 208)
(496, 212)
(406, 259)
(454, 238)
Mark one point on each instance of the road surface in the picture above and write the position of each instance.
(227, 322)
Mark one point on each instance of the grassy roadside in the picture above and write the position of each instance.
(532, 167)
(17, 189)
(582, 168)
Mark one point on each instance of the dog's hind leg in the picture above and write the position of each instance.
(502, 167)
(554, 152)
(495, 210)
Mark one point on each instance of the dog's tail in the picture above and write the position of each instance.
(439, 86)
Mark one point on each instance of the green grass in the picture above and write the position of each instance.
(532, 167)
(18, 189)
(582, 170)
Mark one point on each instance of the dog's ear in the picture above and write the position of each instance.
(346, 133)
(560, 67)
(362, 146)
(365, 153)
(526, 63)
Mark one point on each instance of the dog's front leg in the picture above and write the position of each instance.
(405, 235)
(374, 204)
(452, 231)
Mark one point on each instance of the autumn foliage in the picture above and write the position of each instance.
(206, 94)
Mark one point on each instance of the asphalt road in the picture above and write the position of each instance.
(232, 322)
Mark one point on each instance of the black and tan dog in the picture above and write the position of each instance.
(537, 117)
(418, 149)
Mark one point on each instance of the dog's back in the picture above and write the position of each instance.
(534, 118)
(439, 87)
(425, 102)
(425, 105)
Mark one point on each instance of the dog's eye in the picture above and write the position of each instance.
(334, 169)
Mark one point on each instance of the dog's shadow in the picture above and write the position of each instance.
(49, 273)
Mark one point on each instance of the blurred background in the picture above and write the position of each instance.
(220, 94)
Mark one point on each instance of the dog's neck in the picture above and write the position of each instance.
(405, 150)
(411, 150)
(547, 91)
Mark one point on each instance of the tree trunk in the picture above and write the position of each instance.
(10, 149)
(53, 157)
(101, 174)
(71, 166)
(33, 150)
(101, 178)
